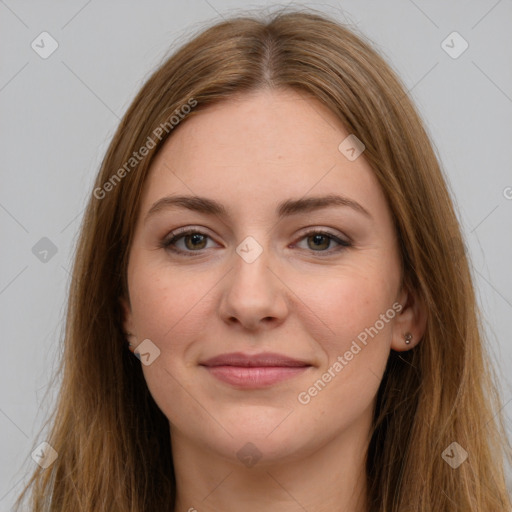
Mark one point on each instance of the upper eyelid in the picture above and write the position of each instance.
(203, 231)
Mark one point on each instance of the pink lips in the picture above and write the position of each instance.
(254, 371)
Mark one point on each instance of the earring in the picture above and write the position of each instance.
(131, 346)
(408, 338)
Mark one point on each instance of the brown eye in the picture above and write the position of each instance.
(193, 241)
(196, 241)
(321, 241)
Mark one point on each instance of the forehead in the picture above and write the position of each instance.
(267, 145)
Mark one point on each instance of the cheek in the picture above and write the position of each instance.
(167, 305)
(353, 328)
(347, 306)
(353, 325)
(169, 309)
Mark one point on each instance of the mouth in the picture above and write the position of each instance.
(254, 371)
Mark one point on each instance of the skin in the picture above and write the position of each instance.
(297, 299)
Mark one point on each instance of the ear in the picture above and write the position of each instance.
(412, 319)
(127, 316)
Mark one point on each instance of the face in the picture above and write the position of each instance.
(257, 267)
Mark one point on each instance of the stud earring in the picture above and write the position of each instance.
(408, 338)
(131, 346)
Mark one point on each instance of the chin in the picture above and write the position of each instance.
(266, 444)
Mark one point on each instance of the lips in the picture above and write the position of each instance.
(246, 371)
(264, 359)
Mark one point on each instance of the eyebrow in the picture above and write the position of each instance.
(285, 209)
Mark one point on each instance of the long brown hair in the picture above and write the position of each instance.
(112, 440)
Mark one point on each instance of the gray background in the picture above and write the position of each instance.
(59, 114)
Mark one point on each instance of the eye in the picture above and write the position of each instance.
(321, 240)
(195, 241)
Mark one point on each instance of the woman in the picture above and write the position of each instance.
(271, 305)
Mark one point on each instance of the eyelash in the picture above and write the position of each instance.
(168, 243)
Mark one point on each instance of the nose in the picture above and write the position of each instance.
(254, 295)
